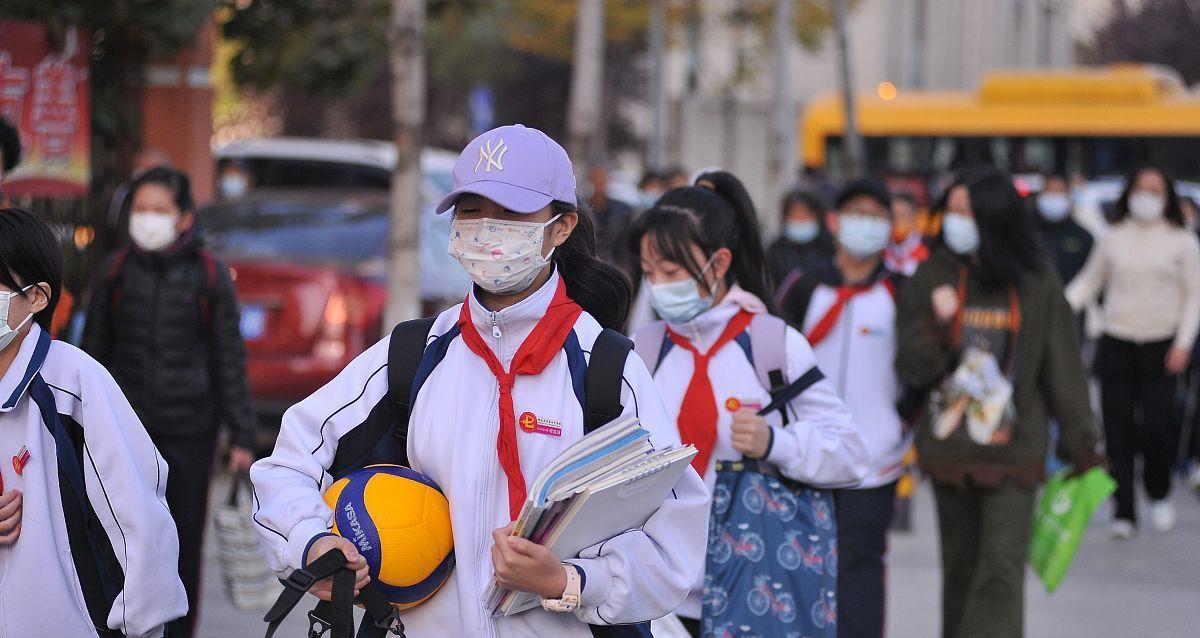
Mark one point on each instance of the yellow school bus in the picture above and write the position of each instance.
(1091, 122)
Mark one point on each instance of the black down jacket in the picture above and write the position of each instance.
(168, 332)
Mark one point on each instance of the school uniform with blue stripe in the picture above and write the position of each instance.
(640, 575)
(98, 549)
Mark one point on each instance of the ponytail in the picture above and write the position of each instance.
(715, 214)
(749, 259)
(598, 287)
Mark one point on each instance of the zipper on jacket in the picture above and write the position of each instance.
(496, 334)
(484, 554)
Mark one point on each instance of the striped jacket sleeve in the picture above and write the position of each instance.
(288, 508)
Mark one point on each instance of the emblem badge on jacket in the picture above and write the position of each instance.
(531, 423)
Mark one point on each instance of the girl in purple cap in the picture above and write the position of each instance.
(504, 396)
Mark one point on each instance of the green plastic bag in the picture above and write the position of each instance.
(1061, 519)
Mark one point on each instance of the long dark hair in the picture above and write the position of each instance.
(719, 214)
(1173, 212)
(29, 254)
(597, 286)
(1008, 241)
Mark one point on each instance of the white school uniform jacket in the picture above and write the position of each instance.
(818, 445)
(637, 576)
(858, 356)
(67, 410)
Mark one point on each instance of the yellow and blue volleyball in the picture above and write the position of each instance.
(399, 520)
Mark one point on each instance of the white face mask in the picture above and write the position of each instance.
(679, 301)
(502, 257)
(7, 334)
(1146, 206)
(234, 185)
(863, 235)
(152, 230)
(960, 233)
(1054, 207)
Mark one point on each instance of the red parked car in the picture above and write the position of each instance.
(309, 267)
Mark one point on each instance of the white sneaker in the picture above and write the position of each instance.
(1162, 515)
(1121, 529)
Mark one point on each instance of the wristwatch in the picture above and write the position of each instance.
(570, 597)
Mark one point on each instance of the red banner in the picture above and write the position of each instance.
(44, 93)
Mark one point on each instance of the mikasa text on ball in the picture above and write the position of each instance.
(400, 522)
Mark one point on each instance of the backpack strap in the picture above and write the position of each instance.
(768, 334)
(338, 615)
(649, 342)
(794, 302)
(111, 279)
(605, 371)
(405, 351)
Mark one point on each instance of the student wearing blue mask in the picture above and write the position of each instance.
(847, 310)
(701, 259)
(804, 244)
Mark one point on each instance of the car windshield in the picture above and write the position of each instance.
(272, 172)
(343, 232)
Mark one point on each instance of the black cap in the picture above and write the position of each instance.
(868, 186)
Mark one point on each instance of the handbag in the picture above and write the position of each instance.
(771, 564)
(250, 583)
(1061, 519)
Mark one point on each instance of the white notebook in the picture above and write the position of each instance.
(614, 504)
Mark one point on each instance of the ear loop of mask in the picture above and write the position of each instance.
(8, 306)
(712, 294)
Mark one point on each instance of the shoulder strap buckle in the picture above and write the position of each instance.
(300, 580)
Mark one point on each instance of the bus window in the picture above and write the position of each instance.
(1037, 156)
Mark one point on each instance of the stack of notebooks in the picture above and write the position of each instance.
(610, 481)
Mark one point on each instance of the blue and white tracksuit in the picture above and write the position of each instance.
(98, 551)
(637, 576)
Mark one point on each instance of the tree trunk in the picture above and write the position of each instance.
(407, 39)
(658, 94)
(587, 77)
(852, 141)
(782, 172)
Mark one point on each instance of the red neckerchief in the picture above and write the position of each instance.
(825, 325)
(698, 413)
(532, 357)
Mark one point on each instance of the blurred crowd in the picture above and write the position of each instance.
(966, 330)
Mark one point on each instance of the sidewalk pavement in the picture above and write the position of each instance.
(1145, 588)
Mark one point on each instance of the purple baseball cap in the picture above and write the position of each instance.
(519, 168)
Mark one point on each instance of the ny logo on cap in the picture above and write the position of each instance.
(493, 155)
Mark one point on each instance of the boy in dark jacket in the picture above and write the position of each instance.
(164, 320)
